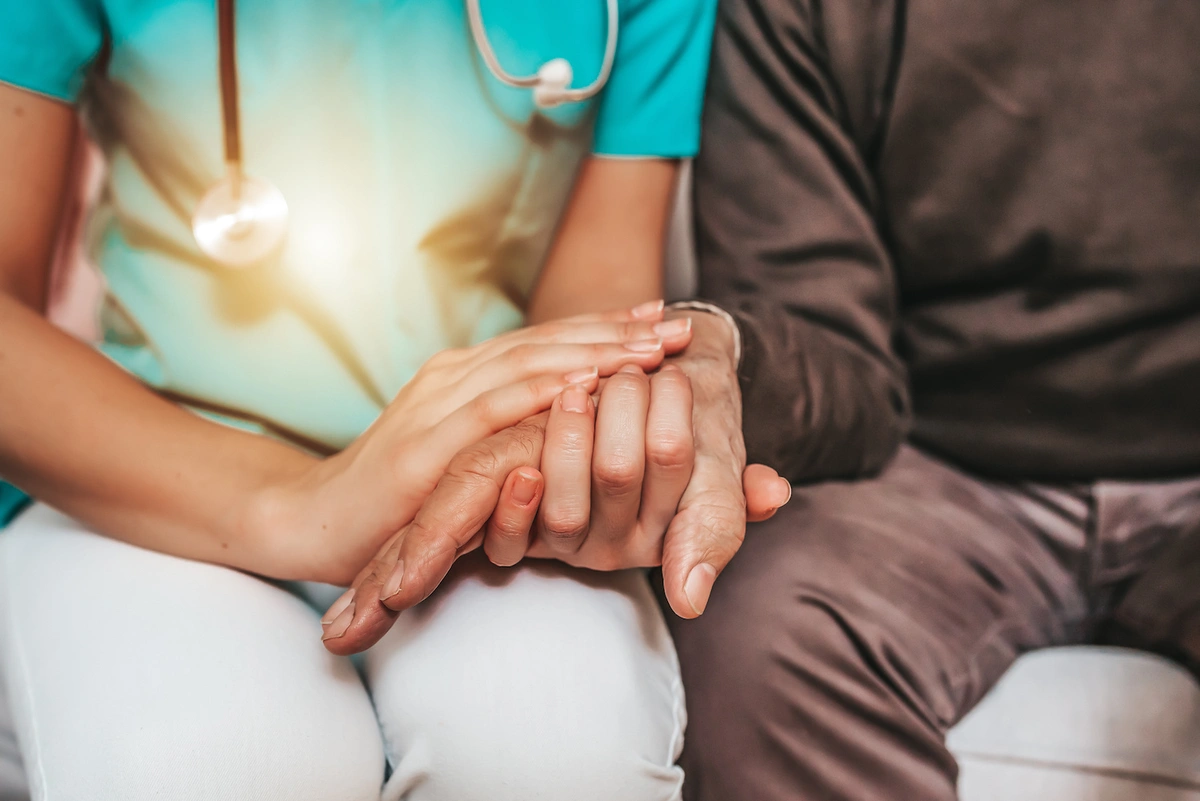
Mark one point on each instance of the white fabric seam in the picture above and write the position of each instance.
(31, 751)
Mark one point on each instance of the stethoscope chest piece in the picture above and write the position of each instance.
(240, 221)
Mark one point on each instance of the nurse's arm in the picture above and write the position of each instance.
(609, 250)
(83, 436)
(80, 434)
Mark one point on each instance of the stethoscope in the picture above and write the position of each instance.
(242, 220)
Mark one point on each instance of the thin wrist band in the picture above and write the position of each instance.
(709, 308)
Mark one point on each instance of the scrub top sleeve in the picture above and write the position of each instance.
(651, 105)
(12, 503)
(46, 46)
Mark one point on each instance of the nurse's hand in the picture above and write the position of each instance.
(607, 341)
(326, 522)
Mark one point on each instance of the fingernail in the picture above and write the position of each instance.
(644, 345)
(673, 328)
(524, 488)
(651, 308)
(789, 487)
(575, 399)
(699, 585)
(341, 603)
(338, 627)
(394, 583)
(581, 376)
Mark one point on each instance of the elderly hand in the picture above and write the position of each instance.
(683, 504)
(667, 484)
(493, 489)
(710, 524)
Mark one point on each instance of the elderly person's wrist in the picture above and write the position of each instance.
(711, 362)
(715, 332)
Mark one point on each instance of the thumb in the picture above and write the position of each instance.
(710, 526)
(703, 537)
(765, 491)
(452, 521)
(412, 564)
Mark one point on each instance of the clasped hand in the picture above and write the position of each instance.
(647, 472)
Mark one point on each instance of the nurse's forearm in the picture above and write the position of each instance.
(608, 253)
(75, 430)
(80, 434)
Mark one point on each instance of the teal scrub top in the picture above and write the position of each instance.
(423, 193)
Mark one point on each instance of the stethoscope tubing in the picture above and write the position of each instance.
(484, 44)
(227, 57)
(241, 219)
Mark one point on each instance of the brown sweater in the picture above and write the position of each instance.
(974, 224)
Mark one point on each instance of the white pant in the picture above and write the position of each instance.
(133, 675)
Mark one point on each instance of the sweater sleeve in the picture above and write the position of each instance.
(789, 241)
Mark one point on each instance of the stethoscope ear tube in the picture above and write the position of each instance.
(241, 221)
(227, 57)
(550, 83)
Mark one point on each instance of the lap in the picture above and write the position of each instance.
(561, 682)
(133, 674)
(925, 565)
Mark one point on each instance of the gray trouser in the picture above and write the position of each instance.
(866, 618)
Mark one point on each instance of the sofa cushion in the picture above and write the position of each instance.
(1104, 710)
(987, 780)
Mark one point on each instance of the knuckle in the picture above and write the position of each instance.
(418, 531)
(521, 356)
(671, 450)
(520, 444)
(442, 360)
(616, 475)
(724, 527)
(536, 390)
(674, 381)
(431, 366)
(378, 574)
(480, 461)
(553, 332)
(507, 529)
(426, 542)
(564, 524)
(483, 407)
(490, 460)
(446, 356)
